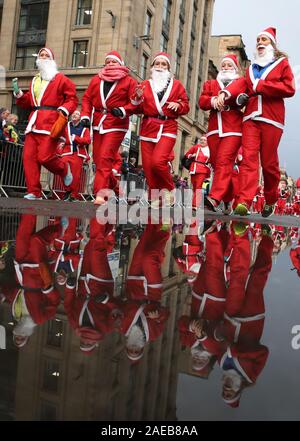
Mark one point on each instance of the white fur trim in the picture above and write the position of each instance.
(231, 61)
(114, 57)
(64, 109)
(19, 94)
(123, 111)
(47, 291)
(85, 117)
(269, 121)
(163, 57)
(226, 93)
(268, 35)
(255, 84)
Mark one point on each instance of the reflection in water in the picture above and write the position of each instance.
(70, 289)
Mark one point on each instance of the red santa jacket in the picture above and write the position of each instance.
(132, 311)
(82, 142)
(153, 128)
(249, 361)
(295, 257)
(97, 108)
(266, 94)
(229, 121)
(41, 306)
(60, 93)
(201, 158)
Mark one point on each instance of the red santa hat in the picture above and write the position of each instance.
(298, 183)
(233, 59)
(89, 336)
(269, 32)
(116, 56)
(49, 52)
(163, 55)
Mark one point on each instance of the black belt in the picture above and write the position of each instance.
(45, 108)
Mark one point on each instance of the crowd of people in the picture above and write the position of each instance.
(9, 126)
(246, 122)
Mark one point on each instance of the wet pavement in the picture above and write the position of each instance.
(147, 322)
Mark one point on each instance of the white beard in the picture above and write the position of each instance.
(136, 337)
(232, 379)
(227, 75)
(24, 327)
(202, 356)
(266, 58)
(160, 79)
(47, 69)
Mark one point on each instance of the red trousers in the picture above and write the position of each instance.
(223, 152)
(197, 181)
(75, 162)
(155, 157)
(105, 150)
(40, 150)
(259, 139)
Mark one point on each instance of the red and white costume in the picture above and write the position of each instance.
(199, 170)
(224, 130)
(108, 130)
(159, 129)
(75, 158)
(263, 127)
(144, 280)
(39, 148)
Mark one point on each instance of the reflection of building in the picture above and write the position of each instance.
(80, 32)
(219, 45)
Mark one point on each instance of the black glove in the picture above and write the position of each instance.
(85, 122)
(242, 99)
(116, 111)
(71, 281)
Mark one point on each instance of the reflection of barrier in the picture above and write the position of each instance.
(11, 167)
(9, 225)
(133, 186)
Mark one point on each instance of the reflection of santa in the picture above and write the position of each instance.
(144, 281)
(141, 323)
(295, 257)
(88, 300)
(51, 98)
(35, 300)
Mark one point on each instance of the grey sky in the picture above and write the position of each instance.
(248, 17)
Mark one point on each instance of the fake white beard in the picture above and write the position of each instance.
(24, 327)
(227, 75)
(266, 58)
(136, 337)
(47, 69)
(201, 356)
(232, 379)
(160, 79)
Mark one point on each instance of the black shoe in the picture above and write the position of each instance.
(210, 204)
(66, 196)
(268, 210)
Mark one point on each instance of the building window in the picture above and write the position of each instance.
(51, 375)
(167, 5)
(144, 66)
(177, 64)
(33, 16)
(80, 53)
(26, 57)
(164, 43)
(48, 411)
(55, 333)
(182, 148)
(84, 12)
(147, 30)
(1, 12)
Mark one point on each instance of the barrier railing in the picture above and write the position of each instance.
(11, 167)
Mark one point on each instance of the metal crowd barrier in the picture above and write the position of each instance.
(11, 167)
(9, 223)
(57, 188)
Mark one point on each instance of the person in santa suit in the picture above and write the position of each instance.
(283, 196)
(258, 200)
(296, 199)
(224, 127)
(163, 100)
(51, 98)
(65, 251)
(199, 169)
(103, 106)
(141, 323)
(270, 79)
(144, 280)
(88, 301)
(73, 149)
(295, 256)
(34, 299)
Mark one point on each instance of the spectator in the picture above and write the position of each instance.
(10, 130)
(3, 116)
